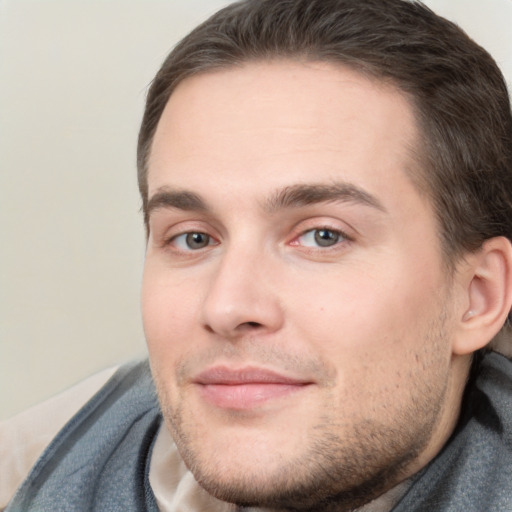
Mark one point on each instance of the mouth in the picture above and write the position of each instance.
(245, 388)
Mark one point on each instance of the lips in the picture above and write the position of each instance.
(245, 388)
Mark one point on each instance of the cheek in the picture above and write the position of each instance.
(366, 318)
(382, 346)
(168, 312)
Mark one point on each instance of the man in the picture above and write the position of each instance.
(327, 192)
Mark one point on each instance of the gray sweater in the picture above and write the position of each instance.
(100, 460)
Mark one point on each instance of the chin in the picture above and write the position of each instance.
(326, 471)
(299, 487)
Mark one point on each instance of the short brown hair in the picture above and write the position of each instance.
(458, 92)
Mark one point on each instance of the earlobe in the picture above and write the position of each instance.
(488, 289)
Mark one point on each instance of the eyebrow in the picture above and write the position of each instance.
(293, 196)
(178, 199)
(296, 196)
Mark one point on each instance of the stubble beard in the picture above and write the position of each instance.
(341, 469)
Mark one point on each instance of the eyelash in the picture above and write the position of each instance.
(341, 238)
(187, 234)
(338, 237)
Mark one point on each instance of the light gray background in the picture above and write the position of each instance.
(73, 76)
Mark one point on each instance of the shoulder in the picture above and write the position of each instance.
(473, 472)
(24, 437)
(102, 454)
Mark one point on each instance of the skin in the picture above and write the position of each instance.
(315, 258)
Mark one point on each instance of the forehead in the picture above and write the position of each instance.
(273, 123)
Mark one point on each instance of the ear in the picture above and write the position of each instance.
(487, 288)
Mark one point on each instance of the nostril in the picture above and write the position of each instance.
(242, 327)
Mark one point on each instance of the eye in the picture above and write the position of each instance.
(321, 237)
(192, 241)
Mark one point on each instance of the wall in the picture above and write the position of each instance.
(73, 75)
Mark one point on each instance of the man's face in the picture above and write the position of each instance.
(296, 309)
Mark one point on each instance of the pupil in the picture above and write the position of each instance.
(326, 237)
(197, 240)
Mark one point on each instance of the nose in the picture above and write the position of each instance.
(242, 298)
